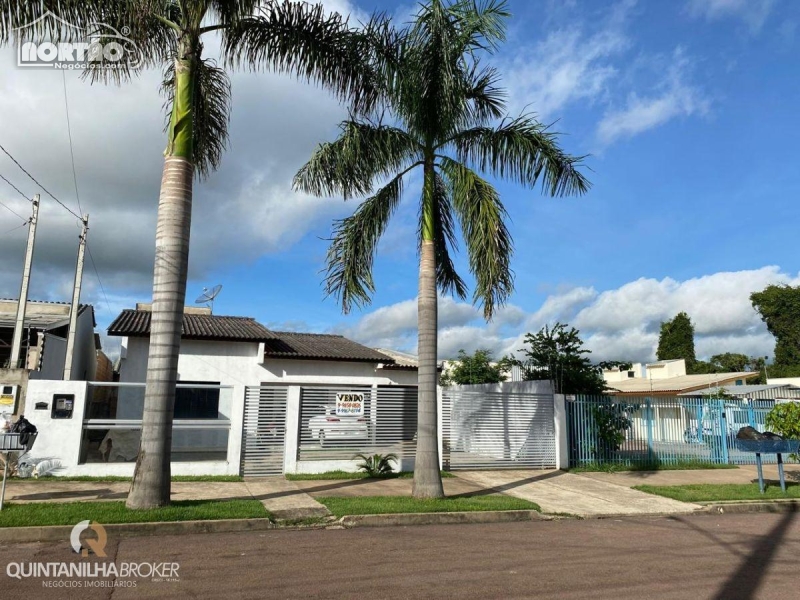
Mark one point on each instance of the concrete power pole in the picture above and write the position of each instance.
(19, 325)
(76, 299)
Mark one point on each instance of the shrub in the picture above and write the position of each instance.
(377, 465)
(784, 419)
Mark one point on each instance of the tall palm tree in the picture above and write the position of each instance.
(442, 108)
(289, 37)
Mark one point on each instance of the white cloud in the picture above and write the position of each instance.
(753, 12)
(621, 324)
(567, 66)
(673, 97)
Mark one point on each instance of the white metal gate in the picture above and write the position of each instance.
(497, 430)
(264, 431)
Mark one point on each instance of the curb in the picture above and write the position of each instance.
(753, 506)
(57, 533)
(442, 518)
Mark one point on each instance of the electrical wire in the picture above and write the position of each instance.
(17, 227)
(15, 187)
(96, 272)
(71, 152)
(46, 191)
(8, 208)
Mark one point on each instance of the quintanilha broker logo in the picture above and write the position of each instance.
(94, 574)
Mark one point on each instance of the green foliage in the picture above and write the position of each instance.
(612, 422)
(720, 492)
(676, 340)
(475, 368)
(779, 306)
(557, 354)
(784, 419)
(377, 465)
(443, 111)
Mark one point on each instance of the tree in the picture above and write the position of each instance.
(475, 368)
(288, 37)
(442, 107)
(732, 362)
(779, 307)
(677, 340)
(557, 354)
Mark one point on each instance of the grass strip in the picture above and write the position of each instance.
(70, 513)
(380, 505)
(708, 492)
(681, 465)
(119, 478)
(333, 475)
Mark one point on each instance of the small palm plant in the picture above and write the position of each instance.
(377, 465)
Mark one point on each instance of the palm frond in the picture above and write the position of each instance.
(146, 41)
(300, 38)
(482, 23)
(447, 279)
(352, 251)
(488, 241)
(362, 153)
(485, 100)
(210, 115)
(523, 150)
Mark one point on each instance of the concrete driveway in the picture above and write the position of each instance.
(560, 492)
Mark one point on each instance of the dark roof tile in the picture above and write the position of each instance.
(136, 323)
(320, 347)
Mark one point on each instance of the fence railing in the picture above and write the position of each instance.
(655, 430)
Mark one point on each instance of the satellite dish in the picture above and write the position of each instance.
(207, 297)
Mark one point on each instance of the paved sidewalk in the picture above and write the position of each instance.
(560, 492)
(742, 474)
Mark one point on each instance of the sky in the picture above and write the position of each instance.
(687, 111)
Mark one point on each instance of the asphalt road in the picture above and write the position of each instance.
(727, 557)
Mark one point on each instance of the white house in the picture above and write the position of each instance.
(240, 386)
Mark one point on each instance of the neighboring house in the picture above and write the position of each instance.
(783, 391)
(669, 378)
(44, 347)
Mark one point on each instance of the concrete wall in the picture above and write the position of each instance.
(84, 361)
(54, 352)
(60, 439)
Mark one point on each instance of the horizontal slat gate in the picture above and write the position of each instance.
(497, 430)
(264, 431)
(388, 425)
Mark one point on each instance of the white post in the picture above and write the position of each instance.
(76, 299)
(19, 326)
(560, 427)
(292, 429)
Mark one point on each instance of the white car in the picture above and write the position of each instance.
(331, 427)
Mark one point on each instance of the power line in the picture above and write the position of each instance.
(15, 187)
(96, 272)
(48, 192)
(13, 211)
(17, 227)
(71, 152)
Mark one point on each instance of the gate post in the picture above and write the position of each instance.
(292, 429)
(560, 429)
(648, 411)
(723, 429)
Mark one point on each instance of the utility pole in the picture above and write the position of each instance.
(19, 325)
(76, 299)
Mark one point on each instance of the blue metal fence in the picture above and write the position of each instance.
(651, 430)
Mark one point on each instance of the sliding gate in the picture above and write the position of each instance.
(497, 430)
(264, 431)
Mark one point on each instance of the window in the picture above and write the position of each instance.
(196, 403)
(631, 374)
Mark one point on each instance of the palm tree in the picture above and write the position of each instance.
(442, 108)
(289, 37)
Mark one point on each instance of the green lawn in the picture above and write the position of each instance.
(681, 465)
(373, 505)
(70, 513)
(117, 478)
(331, 475)
(716, 492)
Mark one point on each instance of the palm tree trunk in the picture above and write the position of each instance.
(427, 477)
(151, 479)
